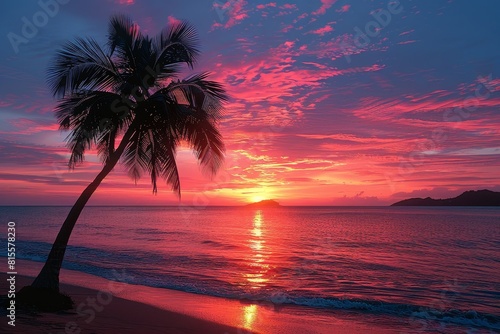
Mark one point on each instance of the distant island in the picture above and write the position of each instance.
(265, 203)
(468, 198)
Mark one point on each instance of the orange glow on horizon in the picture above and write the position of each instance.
(257, 198)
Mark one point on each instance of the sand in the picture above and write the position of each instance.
(105, 306)
(109, 314)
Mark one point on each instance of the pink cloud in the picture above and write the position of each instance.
(287, 9)
(39, 102)
(277, 75)
(173, 21)
(300, 17)
(335, 48)
(343, 9)
(437, 109)
(357, 199)
(323, 30)
(262, 6)
(325, 5)
(232, 12)
(407, 42)
(493, 85)
(343, 46)
(274, 81)
(26, 126)
(406, 32)
(320, 66)
(125, 2)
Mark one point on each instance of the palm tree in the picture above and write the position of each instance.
(130, 90)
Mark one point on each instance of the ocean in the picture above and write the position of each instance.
(438, 269)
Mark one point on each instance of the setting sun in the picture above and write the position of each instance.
(257, 198)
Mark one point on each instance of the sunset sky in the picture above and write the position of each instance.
(329, 106)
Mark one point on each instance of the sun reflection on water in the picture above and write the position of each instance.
(256, 278)
(256, 274)
(249, 315)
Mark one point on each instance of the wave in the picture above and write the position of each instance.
(275, 297)
(278, 299)
(457, 317)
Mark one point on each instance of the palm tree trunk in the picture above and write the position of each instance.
(48, 278)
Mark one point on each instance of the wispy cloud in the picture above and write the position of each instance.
(343, 9)
(234, 10)
(325, 4)
(323, 30)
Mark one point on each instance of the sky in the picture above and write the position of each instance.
(333, 102)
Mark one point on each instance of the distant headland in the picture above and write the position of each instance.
(267, 203)
(468, 198)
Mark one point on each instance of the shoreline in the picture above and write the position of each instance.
(129, 308)
(97, 311)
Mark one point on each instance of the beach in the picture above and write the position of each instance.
(119, 316)
(140, 309)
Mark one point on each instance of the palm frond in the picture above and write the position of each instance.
(135, 156)
(206, 141)
(106, 144)
(92, 119)
(192, 109)
(199, 94)
(153, 150)
(168, 166)
(176, 44)
(122, 36)
(81, 65)
(133, 54)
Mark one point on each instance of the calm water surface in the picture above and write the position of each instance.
(436, 264)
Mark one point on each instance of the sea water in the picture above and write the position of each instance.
(436, 268)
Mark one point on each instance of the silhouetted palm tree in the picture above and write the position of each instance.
(130, 90)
